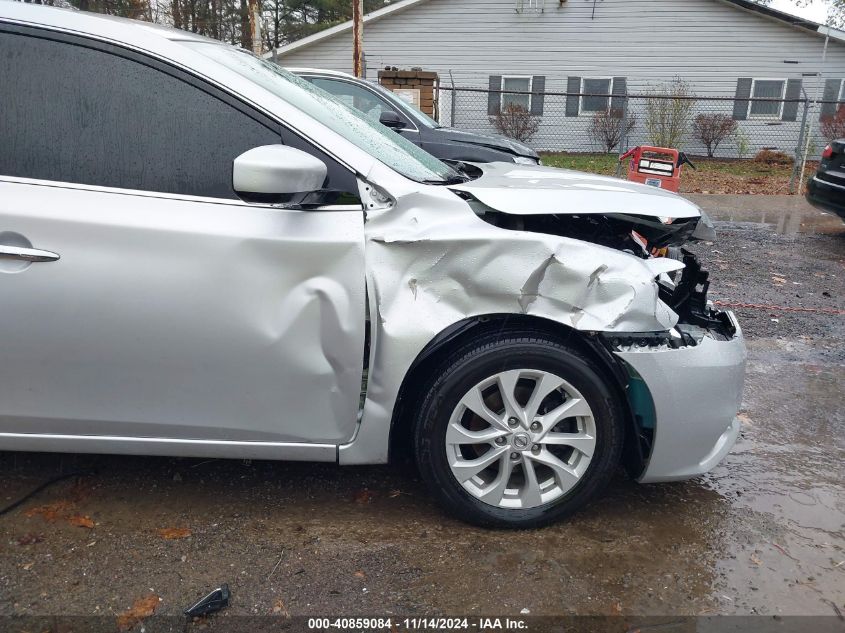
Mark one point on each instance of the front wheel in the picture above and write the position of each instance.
(517, 431)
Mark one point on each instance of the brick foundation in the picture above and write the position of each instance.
(422, 80)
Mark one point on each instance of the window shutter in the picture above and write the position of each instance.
(743, 93)
(831, 94)
(573, 87)
(790, 108)
(620, 87)
(538, 94)
(494, 96)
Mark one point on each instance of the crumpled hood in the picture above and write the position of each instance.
(529, 190)
(502, 143)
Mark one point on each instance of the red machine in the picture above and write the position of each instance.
(656, 166)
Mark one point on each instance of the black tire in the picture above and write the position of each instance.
(486, 356)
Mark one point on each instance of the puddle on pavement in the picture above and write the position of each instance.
(785, 481)
(784, 223)
(787, 215)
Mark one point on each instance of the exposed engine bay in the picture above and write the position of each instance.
(684, 291)
(611, 230)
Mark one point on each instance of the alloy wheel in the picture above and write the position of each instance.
(520, 439)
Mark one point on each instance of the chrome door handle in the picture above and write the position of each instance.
(27, 254)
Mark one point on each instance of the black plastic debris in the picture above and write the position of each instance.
(212, 603)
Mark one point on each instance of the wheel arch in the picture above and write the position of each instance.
(436, 351)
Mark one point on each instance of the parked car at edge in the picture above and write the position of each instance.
(394, 112)
(204, 255)
(826, 189)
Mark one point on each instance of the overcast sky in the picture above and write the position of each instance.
(817, 11)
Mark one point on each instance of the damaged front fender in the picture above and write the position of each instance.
(432, 262)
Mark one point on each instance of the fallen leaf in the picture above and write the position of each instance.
(60, 510)
(51, 511)
(360, 574)
(27, 566)
(143, 608)
(174, 533)
(280, 608)
(744, 419)
(779, 280)
(363, 496)
(81, 521)
(756, 560)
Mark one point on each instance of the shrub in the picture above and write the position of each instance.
(516, 122)
(742, 142)
(833, 126)
(668, 113)
(712, 129)
(609, 127)
(773, 157)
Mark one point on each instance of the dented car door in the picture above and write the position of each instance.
(168, 308)
(180, 318)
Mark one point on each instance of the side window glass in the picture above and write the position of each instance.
(354, 96)
(91, 117)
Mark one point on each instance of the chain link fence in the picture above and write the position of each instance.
(721, 128)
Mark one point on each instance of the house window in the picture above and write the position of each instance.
(595, 90)
(766, 89)
(518, 84)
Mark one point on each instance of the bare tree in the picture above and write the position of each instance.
(282, 21)
(836, 10)
(832, 126)
(669, 108)
(609, 127)
(246, 32)
(712, 129)
(516, 122)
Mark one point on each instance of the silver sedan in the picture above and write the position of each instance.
(203, 255)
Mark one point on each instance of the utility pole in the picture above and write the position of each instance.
(358, 37)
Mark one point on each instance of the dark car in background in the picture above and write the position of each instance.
(391, 110)
(826, 189)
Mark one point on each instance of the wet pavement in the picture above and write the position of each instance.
(786, 215)
(764, 533)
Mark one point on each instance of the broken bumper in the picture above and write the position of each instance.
(696, 392)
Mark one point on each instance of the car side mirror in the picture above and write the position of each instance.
(271, 171)
(392, 120)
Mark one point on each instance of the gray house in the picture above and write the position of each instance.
(566, 60)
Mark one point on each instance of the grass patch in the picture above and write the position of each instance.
(724, 176)
(604, 164)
